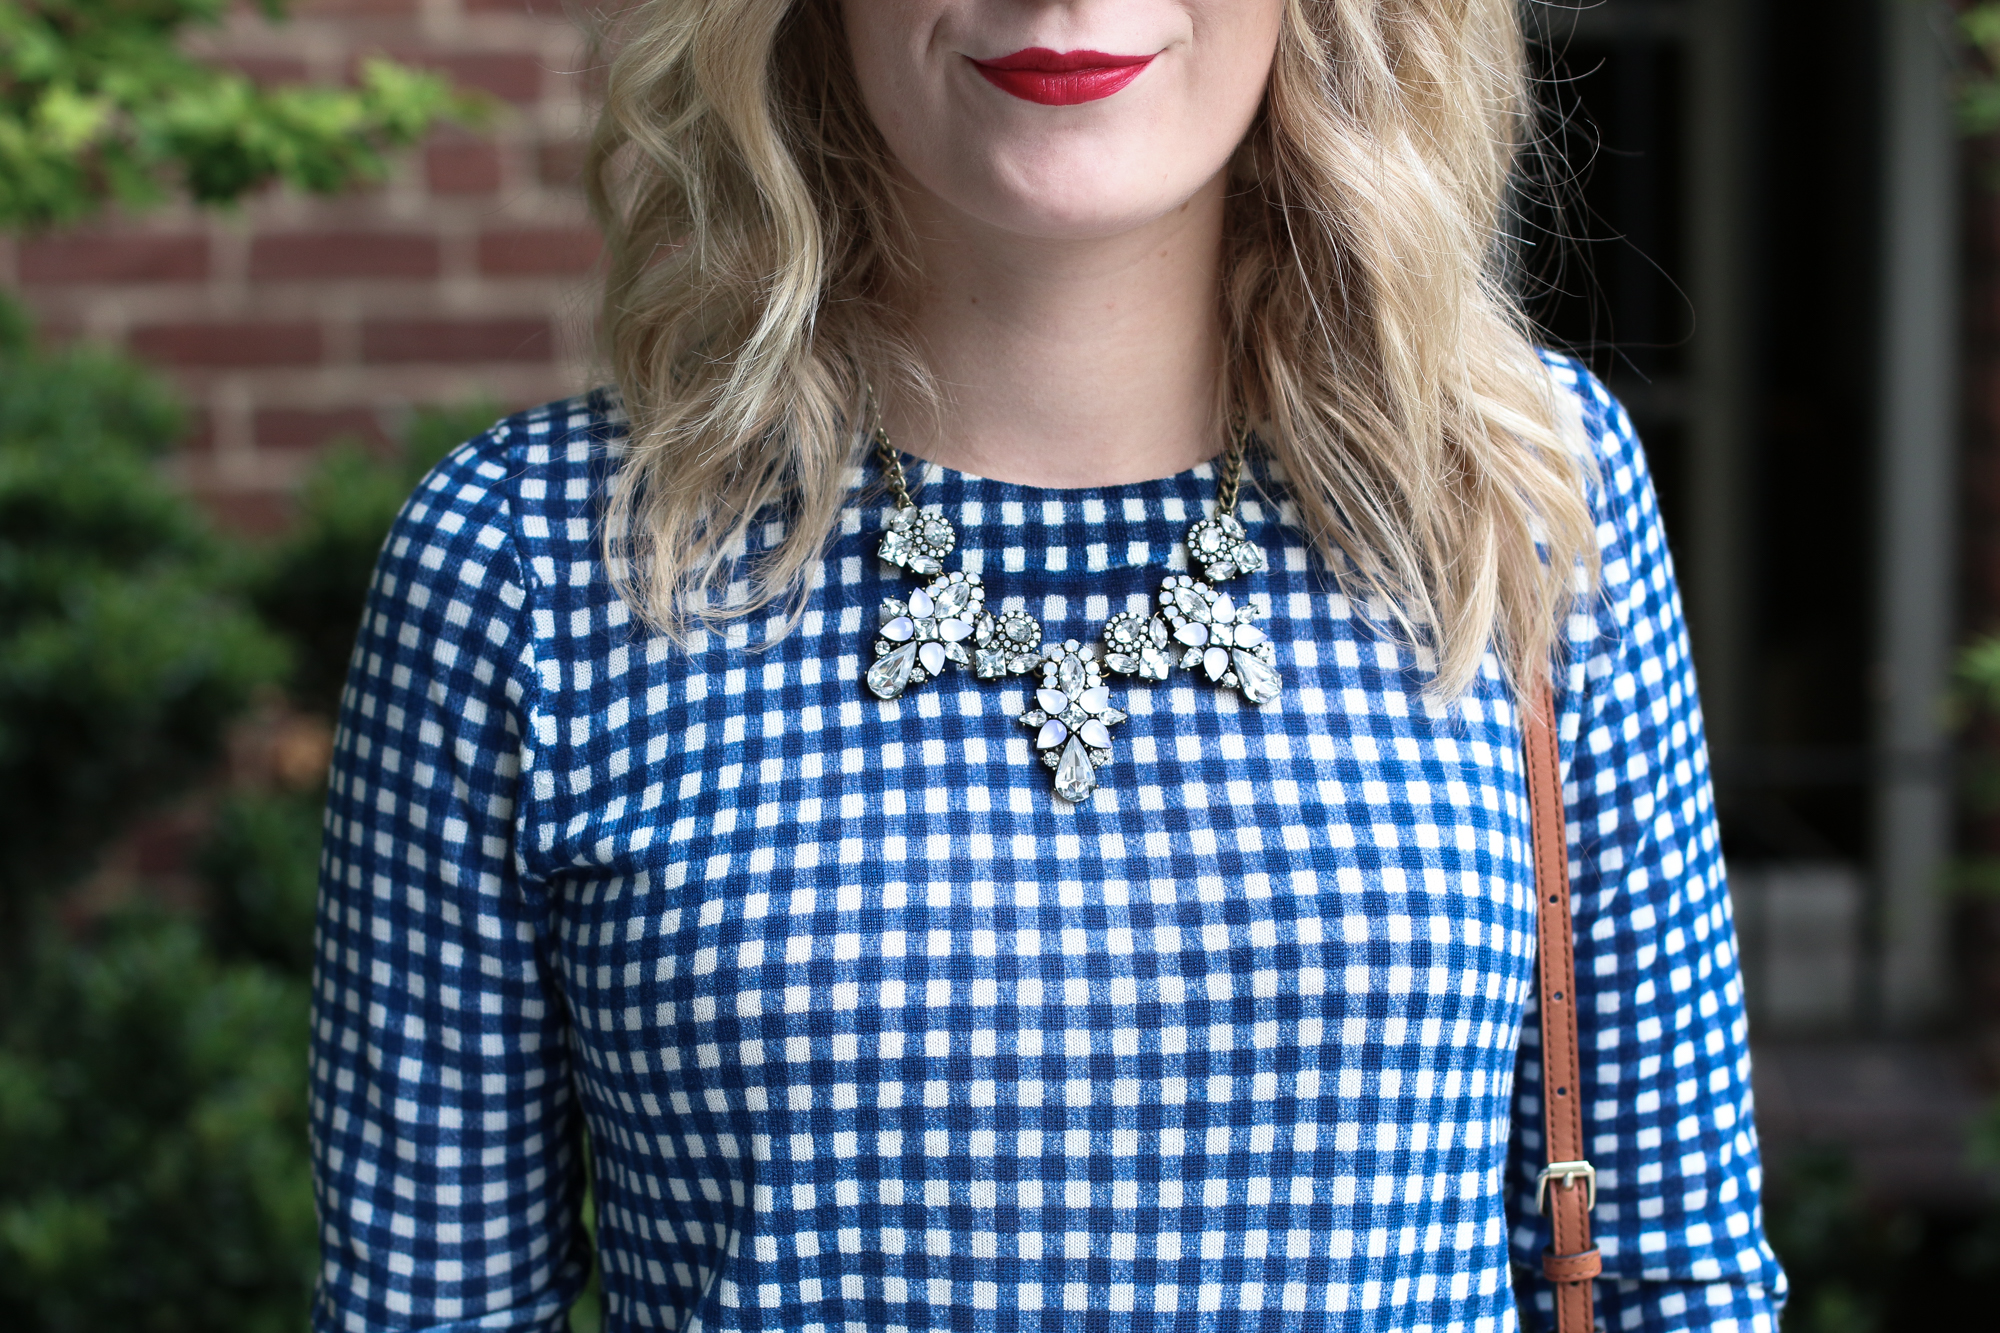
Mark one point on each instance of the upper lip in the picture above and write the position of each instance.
(1044, 61)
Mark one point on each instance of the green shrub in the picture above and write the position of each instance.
(260, 867)
(152, 1104)
(127, 641)
(153, 1164)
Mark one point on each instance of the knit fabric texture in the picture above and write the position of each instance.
(870, 1032)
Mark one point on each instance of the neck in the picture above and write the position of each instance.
(1074, 362)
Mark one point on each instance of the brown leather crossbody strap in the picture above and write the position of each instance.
(1568, 1185)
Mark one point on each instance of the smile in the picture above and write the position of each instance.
(1061, 78)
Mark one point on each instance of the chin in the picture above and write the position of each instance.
(1071, 198)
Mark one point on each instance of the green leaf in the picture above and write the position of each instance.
(1981, 26)
(1979, 672)
(1976, 876)
(261, 864)
(99, 105)
(1979, 89)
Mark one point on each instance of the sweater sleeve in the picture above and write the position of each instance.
(444, 1139)
(1663, 1041)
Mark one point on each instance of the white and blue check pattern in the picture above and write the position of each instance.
(870, 1033)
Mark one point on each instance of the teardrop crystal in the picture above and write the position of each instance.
(932, 655)
(921, 605)
(951, 631)
(1194, 634)
(900, 629)
(1215, 662)
(1095, 734)
(891, 671)
(1052, 734)
(1076, 776)
(1259, 680)
(1095, 698)
(1052, 701)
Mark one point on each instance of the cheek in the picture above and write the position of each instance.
(1208, 105)
(888, 42)
(1238, 43)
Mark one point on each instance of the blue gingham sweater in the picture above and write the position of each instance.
(869, 1033)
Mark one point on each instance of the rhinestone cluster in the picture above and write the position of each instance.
(1220, 638)
(919, 539)
(1222, 549)
(921, 635)
(1073, 717)
(1135, 644)
(1010, 644)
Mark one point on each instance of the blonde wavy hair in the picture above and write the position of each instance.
(756, 256)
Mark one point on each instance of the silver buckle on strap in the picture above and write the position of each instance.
(1568, 1173)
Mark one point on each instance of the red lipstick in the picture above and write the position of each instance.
(1061, 78)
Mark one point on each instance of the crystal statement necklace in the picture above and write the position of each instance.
(1194, 627)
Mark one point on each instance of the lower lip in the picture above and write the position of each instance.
(1068, 87)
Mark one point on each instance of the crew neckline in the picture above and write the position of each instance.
(929, 474)
(1260, 476)
(1073, 535)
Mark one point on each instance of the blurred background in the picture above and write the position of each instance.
(261, 268)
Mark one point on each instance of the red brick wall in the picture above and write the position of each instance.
(297, 320)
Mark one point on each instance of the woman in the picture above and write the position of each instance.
(1052, 909)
